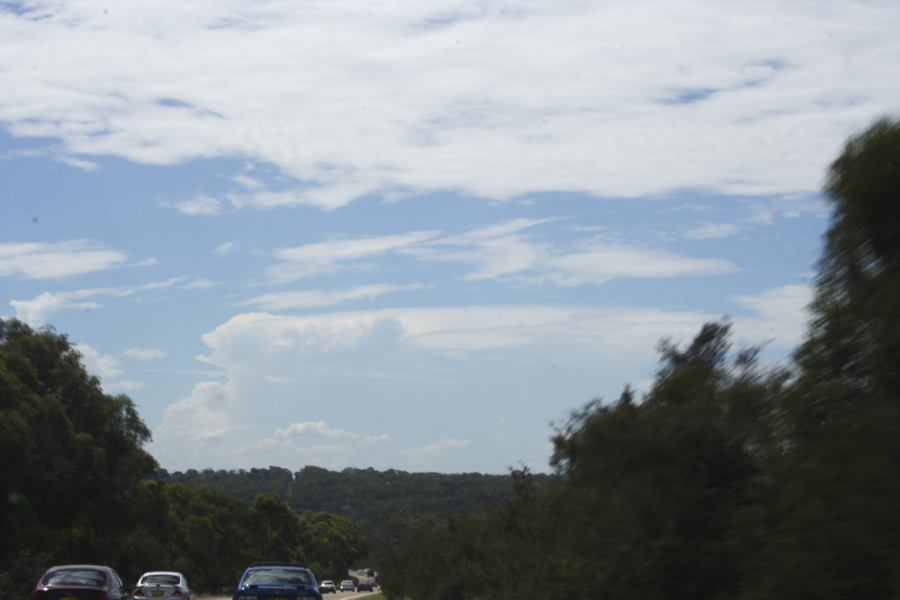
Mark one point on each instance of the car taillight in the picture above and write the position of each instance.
(178, 592)
(138, 592)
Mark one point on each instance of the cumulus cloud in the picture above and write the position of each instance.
(42, 260)
(104, 366)
(491, 101)
(323, 375)
(197, 421)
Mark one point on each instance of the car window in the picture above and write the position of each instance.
(160, 580)
(278, 577)
(75, 577)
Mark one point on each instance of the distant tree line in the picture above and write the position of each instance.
(387, 505)
(74, 487)
(728, 479)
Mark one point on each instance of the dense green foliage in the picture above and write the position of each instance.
(727, 480)
(387, 505)
(74, 487)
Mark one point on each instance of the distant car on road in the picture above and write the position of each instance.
(271, 581)
(84, 582)
(365, 585)
(327, 587)
(347, 585)
(166, 585)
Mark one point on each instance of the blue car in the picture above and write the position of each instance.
(272, 581)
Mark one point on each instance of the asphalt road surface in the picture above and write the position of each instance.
(335, 596)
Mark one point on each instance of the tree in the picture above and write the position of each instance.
(72, 456)
(837, 528)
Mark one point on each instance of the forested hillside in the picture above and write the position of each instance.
(387, 505)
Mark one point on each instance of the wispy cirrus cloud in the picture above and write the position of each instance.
(38, 310)
(301, 299)
(711, 231)
(146, 354)
(52, 260)
(323, 258)
(504, 251)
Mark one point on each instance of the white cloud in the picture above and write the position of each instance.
(780, 314)
(442, 445)
(338, 375)
(39, 309)
(104, 366)
(313, 428)
(199, 284)
(201, 205)
(324, 258)
(277, 301)
(40, 260)
(712, 231)
(504, 251)
(225, 248)
(108, 369)
(495, 101)
(146, 354)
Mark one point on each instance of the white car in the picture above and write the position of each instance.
(327, 587)
(165, 585)
(347, 585)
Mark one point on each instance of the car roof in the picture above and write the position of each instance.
(102, 567)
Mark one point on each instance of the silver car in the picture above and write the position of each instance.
(347, 585)
(162, 585)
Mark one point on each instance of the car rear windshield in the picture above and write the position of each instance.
(75, 577)
(278, 577)
(160, 580)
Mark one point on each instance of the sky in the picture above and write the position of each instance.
(416, 235)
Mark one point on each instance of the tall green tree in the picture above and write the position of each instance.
(837, 528)
(72, 456)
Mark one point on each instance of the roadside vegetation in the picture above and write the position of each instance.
(729, 479)
(73, 487)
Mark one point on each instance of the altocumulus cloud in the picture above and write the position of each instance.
(559, 90)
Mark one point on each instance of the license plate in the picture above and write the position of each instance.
(68, 598)
(157, 593)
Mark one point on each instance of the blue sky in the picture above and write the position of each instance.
(365, 234)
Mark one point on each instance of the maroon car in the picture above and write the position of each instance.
(80, 582)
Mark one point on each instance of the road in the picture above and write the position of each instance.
(335, 596)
